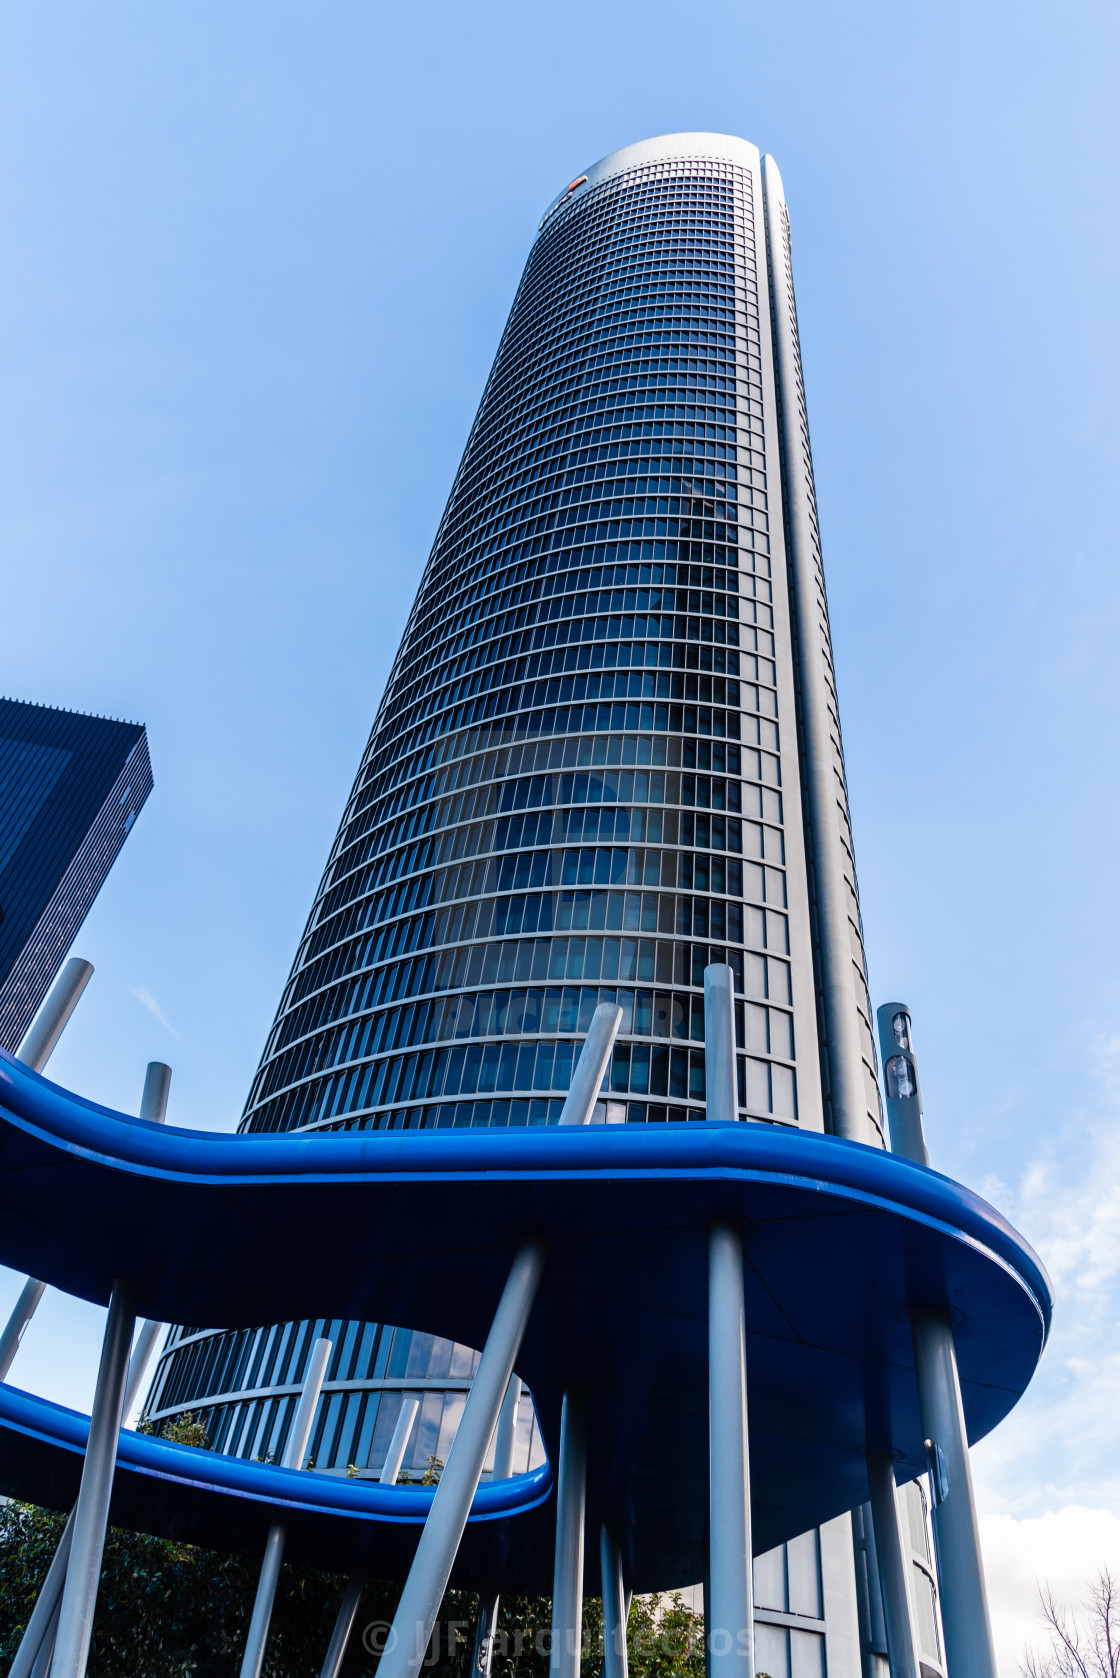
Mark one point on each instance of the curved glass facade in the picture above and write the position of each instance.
(587, 777)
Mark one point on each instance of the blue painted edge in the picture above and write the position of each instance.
(806, 1159)
(288, 1488)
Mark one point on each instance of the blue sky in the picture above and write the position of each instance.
(253, 268)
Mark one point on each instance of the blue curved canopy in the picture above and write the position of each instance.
(419, 1227)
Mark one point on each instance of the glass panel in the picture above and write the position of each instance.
(770, 1579)
(804, 1574)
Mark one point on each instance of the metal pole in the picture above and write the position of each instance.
(22, 1313)
(969, 1652)
(294, 1453)
(343, 1625)
(50, 1022)
(39, 1633)
(614, 1603)
(731, 1633)
(900, 1076)
(894, 1565)
(398, 1444)
(504, 1440)
(157, 1086)
(439, 1541)
(571, 1508)
(79, 1597)
(594, 1057)
(720, 1080)
(506, 1437)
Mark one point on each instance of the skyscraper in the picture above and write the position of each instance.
(608, 753)
(71, 787)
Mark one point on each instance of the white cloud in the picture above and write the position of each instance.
(146, 998)
(1063, 1549)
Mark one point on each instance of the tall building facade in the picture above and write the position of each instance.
(608, 753)
(71, 787)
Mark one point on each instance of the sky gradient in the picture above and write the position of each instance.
(254, 267)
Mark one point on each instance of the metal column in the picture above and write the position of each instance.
(488, 1605)
(894, 1565)
(79, 1597)
(571, 1503)
(39, 1633)
(969, 1652)
(352, 1595)
(594, 1058)
(731, 1632)
(439, 1541)
(50, 1022)
(614, 1603)
(294, 1453)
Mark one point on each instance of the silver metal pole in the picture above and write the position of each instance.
(42, 1627)
(731, 1632)
(969, 1652)
(294, 1452)
(39, 1633)
(720, 1081)
(505, 1439)
(43, 1659)
(571, 1508)
(900, 1075)
(344, 1625)
(91, 1512)
(50, 1022)
(439, 1541)
(22, 1313)
(614, 1603)
(157, 1087)
(398, 1444)
(594, 1058)
(894, 1565)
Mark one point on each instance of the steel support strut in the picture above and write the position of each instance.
(435, 1554)
(969, 1651)
(893, 1565)
(91, 1512)
(571, 1505)
(731, 1632)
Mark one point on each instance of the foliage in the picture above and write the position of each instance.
(169, 1610)
(184, 1429)
(1087, 1650)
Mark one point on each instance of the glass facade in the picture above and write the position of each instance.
(599, 763)
(71, 787)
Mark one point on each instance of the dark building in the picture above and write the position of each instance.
(608, 753)
(71, 787)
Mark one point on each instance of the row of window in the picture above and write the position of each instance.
(641, 1069)
(762, 977)
(353, 875)
(708, 645)
(241, 1360)
(761, 1030)
(462, 593)
(535, 792)
(701, 719)
(557, 753)
(697, 871)
(353, 1429)
(586, 645)
(562, 691)
(699, 917)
